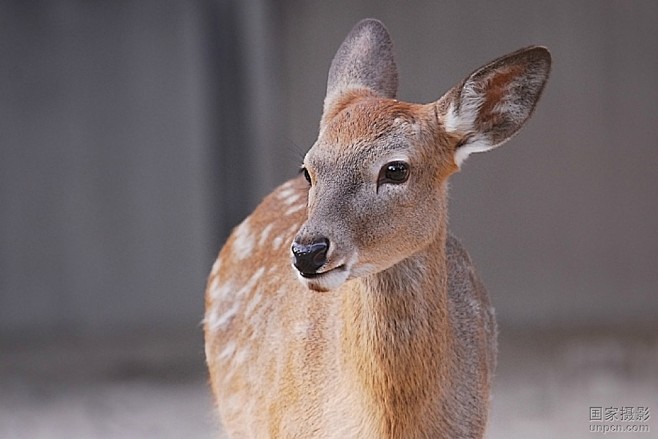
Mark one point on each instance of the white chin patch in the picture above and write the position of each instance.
(327, 281)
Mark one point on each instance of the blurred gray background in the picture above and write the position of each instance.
(135, 134)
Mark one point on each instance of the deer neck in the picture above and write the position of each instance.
(396, 339)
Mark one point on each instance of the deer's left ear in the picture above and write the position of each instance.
(495, 101)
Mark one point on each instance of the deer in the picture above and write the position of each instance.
(342, 307)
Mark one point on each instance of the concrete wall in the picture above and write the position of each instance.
(134, 135)
(103, 181)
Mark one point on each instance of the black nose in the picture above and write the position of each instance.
(307, 258)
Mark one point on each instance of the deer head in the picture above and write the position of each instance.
(378, 170)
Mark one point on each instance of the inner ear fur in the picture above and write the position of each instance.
(492, 104)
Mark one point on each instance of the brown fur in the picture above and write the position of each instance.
(396, 339)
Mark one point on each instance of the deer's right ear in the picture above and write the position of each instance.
(495, 101)
(363, 61)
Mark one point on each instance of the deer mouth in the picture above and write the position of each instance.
(326, 280)
(316, 275)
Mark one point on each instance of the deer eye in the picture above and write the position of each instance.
(393, 173)
(307, 176)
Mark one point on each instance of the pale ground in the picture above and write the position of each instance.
(154, 387)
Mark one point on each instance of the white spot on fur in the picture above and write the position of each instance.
(244, 241)
(207, 348)
(294, 209)
(253, 303)
(219, 322)
(216, 266)
(228, 351)
(265, 234)
(241, 356)
(284, 194)
(221, 291)
(214, 283)
(276, 242)
(292, 199)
